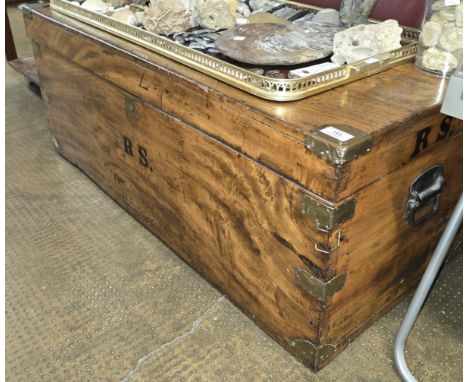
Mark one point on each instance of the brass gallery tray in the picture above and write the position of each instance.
(276, 89)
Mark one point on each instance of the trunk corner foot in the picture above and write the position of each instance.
(313, 356)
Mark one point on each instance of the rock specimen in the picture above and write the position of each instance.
(459, 15)
(328, 16)
(190, 8)
(189, 5)
(438, 19)
(243, 10)
(118, 3)
(232, 5)
(441, 39)
(355, 12)
(166, 17)
(139, 12)
(430, 33)
(277, 44)
(125, 15)
(451, 38)
(256, 4)
(140, 16)
(214, 15)
(200, 39)
(96, 6)
(364, 41)
(266, 18)
(438, 5)
(439, 60)
(448, 13)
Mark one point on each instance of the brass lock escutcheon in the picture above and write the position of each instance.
(424, 196)
(131, 108)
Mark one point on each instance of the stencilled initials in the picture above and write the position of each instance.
(128, 146)
(423, 136)
(445, 129)
(131, 149)
(421, 140)
(143, 155)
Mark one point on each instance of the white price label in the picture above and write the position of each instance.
(333, 132)
(238, 38)
(448, 3)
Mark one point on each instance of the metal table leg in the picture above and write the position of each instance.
(423, 290)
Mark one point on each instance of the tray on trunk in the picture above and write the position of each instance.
(238, 75)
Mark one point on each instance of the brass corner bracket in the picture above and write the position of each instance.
(36, 49)
(327, 215)
(338, 144)
(322, 290)
(27, 12)
(28, 8)
(311, 355)
(44, 95)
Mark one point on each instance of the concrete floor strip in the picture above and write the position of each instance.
(177, 339)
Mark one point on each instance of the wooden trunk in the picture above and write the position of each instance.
(304, 232)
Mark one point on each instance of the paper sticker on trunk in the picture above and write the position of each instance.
(337, 133)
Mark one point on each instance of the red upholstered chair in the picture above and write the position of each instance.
(408, 12)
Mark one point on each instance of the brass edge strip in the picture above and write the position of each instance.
(336, 150)
(326, 215)
(316, 287)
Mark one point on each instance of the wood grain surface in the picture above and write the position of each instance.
(273, 133)
(236, 222)
(219, 175)
(382, 254)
